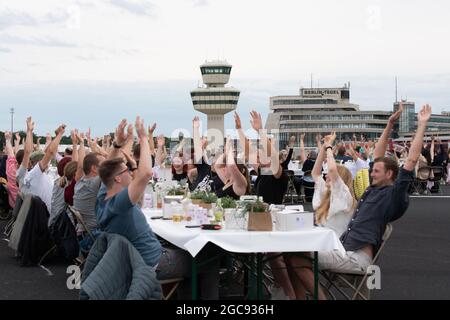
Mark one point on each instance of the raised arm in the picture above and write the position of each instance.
(302, 148)
(81, 154)
(291, 149)
(243, 140)
(416, 146)
(52, 148)
(268, 147)
(74, 138)
(161, 153)
(198, 152)
(144, 171)
(317, 169)
(120, 138)
(128, 147)
(239, 180)
(380, 147)
(150, 138)
(331, 162)
(432, 149)
(17, 143)
(28, 149)
(8, 146)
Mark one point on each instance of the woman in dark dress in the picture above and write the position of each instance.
(232, 179)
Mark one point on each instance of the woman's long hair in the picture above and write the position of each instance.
(322, 211)
(244, 170)
(70, 169)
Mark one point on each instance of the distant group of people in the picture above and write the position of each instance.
(105, 181)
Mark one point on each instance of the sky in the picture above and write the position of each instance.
(91, 63)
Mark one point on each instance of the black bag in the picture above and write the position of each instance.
(65, 236)
(4, 202)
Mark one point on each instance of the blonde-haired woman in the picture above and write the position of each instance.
(333, 202)
(334, 199)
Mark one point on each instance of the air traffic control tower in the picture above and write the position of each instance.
(214, 99)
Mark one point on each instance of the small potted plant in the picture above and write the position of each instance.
(176, 191)
(259, 216)
(233, 219)
(196, 197)
(207, 200)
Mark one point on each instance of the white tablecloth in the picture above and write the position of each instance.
(242, 241)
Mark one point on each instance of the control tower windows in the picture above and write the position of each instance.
(216, 70)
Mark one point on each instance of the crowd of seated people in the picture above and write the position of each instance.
(105, 180)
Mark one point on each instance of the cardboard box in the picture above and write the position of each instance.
(294, 220)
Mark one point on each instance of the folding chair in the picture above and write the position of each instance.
(308, 186)
(78, 217)
(355, 281)
(291, 193)
(423, 176)
(436, 177)
(175, 282)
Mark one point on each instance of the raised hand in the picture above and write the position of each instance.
(80, 137)
(130, 132)
(204, 143)
(396, 115)
(18, 137)
(302, 136)
(73, 136)
(291, 141)
(318, 138)
(30, 124)
(140, 129)
(329, 139)
(121, 136)
(8, 136)
(256, 121)
(196, 122)
(60, 129)
(48, 137)
(237, 121)
(151, 129)
(424, 115)
(228, 146)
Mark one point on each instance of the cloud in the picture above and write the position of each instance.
(90, 57)
(36, 41)
(5, 50)
(9, 18)
(137, 7)
(57, 16)
(200, 3)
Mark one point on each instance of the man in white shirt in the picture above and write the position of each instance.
(36, 181)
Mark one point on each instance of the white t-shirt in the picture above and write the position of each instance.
(354, 167)
(341, 204)
(39, 184)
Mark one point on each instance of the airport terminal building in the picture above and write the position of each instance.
(323, 110)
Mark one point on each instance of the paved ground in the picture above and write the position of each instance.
(415, 263)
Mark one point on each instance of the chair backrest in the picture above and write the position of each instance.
(438, 173)
(386, 236)
(424, 173)
(80, 219)
(289, 173)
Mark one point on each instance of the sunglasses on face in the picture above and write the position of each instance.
(129, 170)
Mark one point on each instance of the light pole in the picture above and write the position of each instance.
(12, 119)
